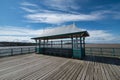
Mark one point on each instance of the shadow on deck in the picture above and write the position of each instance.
(102, 59)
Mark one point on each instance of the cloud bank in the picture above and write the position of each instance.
(9, 33)
(56, 18)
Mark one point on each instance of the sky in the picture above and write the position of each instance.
(21, 20)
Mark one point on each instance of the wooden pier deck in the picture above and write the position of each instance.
(44, 67)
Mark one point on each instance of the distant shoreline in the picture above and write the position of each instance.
(102, 45)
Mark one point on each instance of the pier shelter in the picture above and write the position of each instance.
(66, 45)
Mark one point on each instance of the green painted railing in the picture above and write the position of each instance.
(100, 51)
(16, 51)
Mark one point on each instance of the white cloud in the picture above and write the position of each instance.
(9, 33)
(28, 10)
(100, 36)
(64, 5)
(41, 10)
(28, 4)
(55, 18)
(18, 34)
(11, 30)
(60, 11)
(108, 14)
(16, 38)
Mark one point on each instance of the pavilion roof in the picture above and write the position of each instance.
(66, 35)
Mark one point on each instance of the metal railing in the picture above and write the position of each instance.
(94, 51)
(16, 51)
(99, 51)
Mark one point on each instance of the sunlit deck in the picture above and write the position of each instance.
(44, 67)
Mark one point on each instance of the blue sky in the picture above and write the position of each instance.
(22, 19)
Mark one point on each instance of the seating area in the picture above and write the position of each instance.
(59, 52)
(66, 45)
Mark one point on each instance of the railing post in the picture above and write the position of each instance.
(35, 50)
(61, 44)
(101, 51)
(113, 51)
(28, 50)
(12, 52)
(91, 51)
(51, 44)
(21, 50)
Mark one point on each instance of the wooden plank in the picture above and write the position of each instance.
(70, 72)
(62, 72)
(16, 62)
(58, 71)
(78, 70)
(74, 72)
(43, 67)
(54, 71)
(115, 70)
(17, 68)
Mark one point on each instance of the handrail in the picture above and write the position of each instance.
(103, 51)
(16, 51)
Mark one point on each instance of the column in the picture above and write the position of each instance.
(36, 45)
(47, 43)
(44, 43)
(51, 44)
(44, 46)
(39, 45)
(80, 43)
(77, 42)
(84, 46)
(81, 49)
(72, 42)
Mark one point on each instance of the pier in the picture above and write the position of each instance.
(45, 67)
